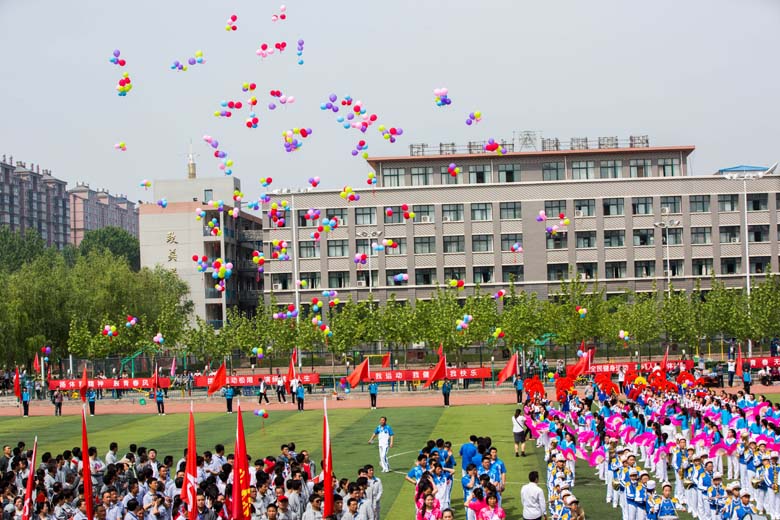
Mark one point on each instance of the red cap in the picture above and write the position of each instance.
(279, 499)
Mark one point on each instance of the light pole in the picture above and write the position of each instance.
(370, 235)
(665, 224)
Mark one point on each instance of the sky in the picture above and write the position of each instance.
(700, 72)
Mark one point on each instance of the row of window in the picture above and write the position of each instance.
(422, 245)
(646, 268)
(551, 171)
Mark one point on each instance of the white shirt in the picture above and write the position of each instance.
(732, 366)
(532, 498)
(518, 424)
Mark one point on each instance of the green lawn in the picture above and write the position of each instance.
(350, 429)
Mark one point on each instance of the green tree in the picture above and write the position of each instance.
(114, 239)
(18, 249)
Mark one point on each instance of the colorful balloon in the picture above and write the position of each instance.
(230, 25)
(120, 146)
(441, 98)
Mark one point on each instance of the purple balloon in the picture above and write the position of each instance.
(357, 197)
(335, 108)
(333, 98)
(392, 140)
(308, 131)
(116, 53)
(491, 141)
(471, 115)
(354, 153)
(271, 106)
(468, 122)
(399, 131)
(300, 42)
(176, 63)
(350, 116)
(191, 61)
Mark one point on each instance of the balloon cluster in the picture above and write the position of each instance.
(357, 117)
(277, 213)
(124, 85)
(348, 194)
(441, 98)
(265, 49)
(163, 203)
(316, 305)
(360, 258)
(132, 321)
(222, 272)
(248, 87)
(516, 248)
(282, 14)
(291, 141)
(291, 312)
(237, 196)
(146, 184)
(181, 66)
(333, 296)
(371, 180)
(407, 214)
(457, 284)
(116, 60)
(582, 311)
(499, 295)
(253, 205)
(228, 104)
(493, 146)
(279, 250)
(230, 25)
(258, 351)
(226, 165)
(120, 146)
(110, 331)
(360, 149)
(314, 181)
(401, 277)
(498, 333)
(387, 243)
(344, 385)
(158, 338)
(317, 322)
(326, 226)
(474, 117)
(299, 52)
(201, 262)
(624, 335)
(258, 258)
(214, 228)
(281, 98)
(463, 324)
(390, 134)
(47, 352)
(261, 412)
(453, 169)
(266, 181)
(303, 284)
(563, 221)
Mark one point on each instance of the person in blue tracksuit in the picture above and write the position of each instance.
(229, 398)
(373, 390)
(300, 394)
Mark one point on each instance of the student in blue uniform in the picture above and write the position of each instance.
(373, 390)
(229, 398)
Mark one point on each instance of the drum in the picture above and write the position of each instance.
(688, 484)
(615, 484)
(755, 482)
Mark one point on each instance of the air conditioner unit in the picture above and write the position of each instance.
(445, 219)
(361, 283)
(277, 287)
(735, 240)
(425, 219)
(665, 211)
(579, 213)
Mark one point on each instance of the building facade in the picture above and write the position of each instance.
(637, 219)
(32, 199)
(95, 209)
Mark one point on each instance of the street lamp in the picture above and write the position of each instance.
(665, 224)
(745, 176)
(370, 235)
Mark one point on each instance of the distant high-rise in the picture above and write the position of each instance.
(94, 209)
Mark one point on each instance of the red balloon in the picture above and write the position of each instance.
(291, 307)
(252, 86)
(405, 207)
(372, 117)
(239, 104)
(194, 258)
(265, 415)
(269, 180)
(304, 133)
(264, 46)
(204, 258)
(323, 327)
(393, 131)
(122, 63)
(283, 16)
(561, 215)
(331, 304)
(233, 18)
(361, 143)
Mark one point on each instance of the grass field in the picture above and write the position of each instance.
(350, 430)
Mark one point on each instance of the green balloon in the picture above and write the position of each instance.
(142, 401)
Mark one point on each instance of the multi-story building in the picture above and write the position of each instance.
(30, 198)
(170, 236)
(95, 209)
(636, 219)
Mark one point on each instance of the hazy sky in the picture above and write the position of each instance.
(701, 72)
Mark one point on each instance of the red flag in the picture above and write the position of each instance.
(359, 374)
(386, 360)
(240, 500)
(84, 385)
(291, 369)
(580, 366)
(327, 464)
(439, 372)
(29, 499)
(155, 379)
(739, 361)
(86, 468)
(36, 364)
(17, 385)
(509, 370)
(173, 367)
(220, 379)
(190, 485)
(441, 350)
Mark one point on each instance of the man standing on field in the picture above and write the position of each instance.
(384, 433)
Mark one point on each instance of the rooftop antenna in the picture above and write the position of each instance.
(191, 163)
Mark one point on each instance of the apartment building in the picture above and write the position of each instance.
(95, 209)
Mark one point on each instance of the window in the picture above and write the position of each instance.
(454, 273)
(758, 233)
(612, 207)
(669, 167)
(509, 239)
(208, 195)
(730, 265)
(676, 268)
(553, 171)
(454, 244)
(340, 214)
(729, 234)
(483, 274)
(642, 205)
(363, 247)
(557, 272)
(615, 270)
(557, 241)
(644, 268)
(702, 267)
(727, 203)
(365, 216)
(644, 237)
(674, 204)
(422, 176)
(585, 239)
(581, 170)
(338, 279)
(312, 279)
(400, 249)
(362, 276)
(587, 270)
(423, 213)
(309, 249)
(481, 211)
(481, 243)
(306, 222)
(452, 212)
(510, 211)
(700, 203)
(614, 238)
(640, 168)
(759, 265)
(586, 206)
(397, 216)
(479, 174)
(424, 245)
(701, 235)
(553, 208)
(281, 282)
(390, 277)
(512, 272)
(508, 173)
(447, 178)
(673, 236)
(392, 177)
(425, 276)
(611, 169)
(337, 248)
(757, 202)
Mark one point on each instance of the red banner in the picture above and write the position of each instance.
(310, 378)
(419, 375)
(109, 384)
(646, 366)
(757, 363)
